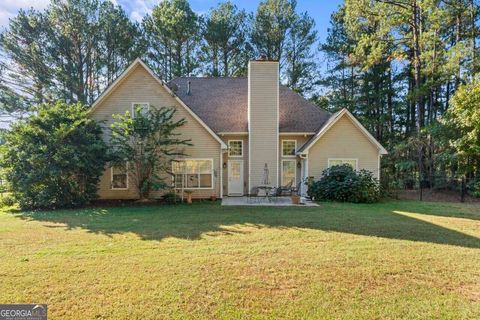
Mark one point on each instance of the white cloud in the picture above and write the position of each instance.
(9, 8)
(137, 9)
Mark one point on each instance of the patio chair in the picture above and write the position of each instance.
(287, 190)
(274, 194)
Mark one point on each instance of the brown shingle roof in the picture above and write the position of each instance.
(222, 104)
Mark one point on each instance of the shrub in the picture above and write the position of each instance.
(55, 157)
(7, 201)
(342, 183)
(474, 188)
(170, 198)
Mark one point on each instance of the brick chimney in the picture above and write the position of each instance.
(263, 114)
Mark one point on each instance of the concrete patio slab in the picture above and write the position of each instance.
(261, 201)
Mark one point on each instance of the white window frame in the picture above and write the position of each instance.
(111, 177)
(236, 156)
(294, 151)
(196, 188)
(295, 170)
(133, 105)
(344, 159)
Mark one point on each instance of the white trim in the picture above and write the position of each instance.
(197, 188)
(343, 159)
(228, 144)
(249, 102)
(134, 103)
(223, 133)
(221, 172)
(297, 133)
(295, 170)
(294, 155)
(243, 177)
(379, 166)
(278, 122)
(334, 120)
(111, 178)
(127, 71)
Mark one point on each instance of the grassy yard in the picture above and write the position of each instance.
(381, 261)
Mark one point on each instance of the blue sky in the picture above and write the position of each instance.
(320, 10)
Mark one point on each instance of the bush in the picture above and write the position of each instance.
(342, 183)
(7, 201)
(474, 188)
(55, 157)
(170, 198)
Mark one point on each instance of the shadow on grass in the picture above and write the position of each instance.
(191, 222)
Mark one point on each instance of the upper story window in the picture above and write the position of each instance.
(142, 107)
(235, 148)
(193, 173)
(288, 148)
(339, 161)
(119, 176)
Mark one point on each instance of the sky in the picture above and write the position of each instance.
(320, 10)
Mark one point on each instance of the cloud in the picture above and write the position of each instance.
(137, 9)
(9, 8)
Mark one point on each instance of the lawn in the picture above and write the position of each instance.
(398, 259)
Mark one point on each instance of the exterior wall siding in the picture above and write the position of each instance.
(343, 140)
(140, 87)
(263, 86)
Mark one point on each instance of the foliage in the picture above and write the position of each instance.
(225, 50)
(172, 31)
(71, 51)
(7, 200)
(55, 157)
(171, 198)
(474, 187)
(342, 183)
(148, 141)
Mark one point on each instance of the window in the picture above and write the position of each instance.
(288, 148)
(119, 176)
(235, 148)
(140, 107)
(289, 172)
(193, 173)
(335, 162)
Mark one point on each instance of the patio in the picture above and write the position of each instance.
(264, 201)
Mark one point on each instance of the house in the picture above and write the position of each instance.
(240, 129)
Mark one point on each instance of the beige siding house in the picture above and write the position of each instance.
(245, 131)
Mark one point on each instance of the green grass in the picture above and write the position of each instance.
(390, 260)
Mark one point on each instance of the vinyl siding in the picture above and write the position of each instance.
(343, 140)
(263, 86)
(244, 157)
(140, 86)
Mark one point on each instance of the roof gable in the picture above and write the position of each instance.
(331, 122)
(127, 72)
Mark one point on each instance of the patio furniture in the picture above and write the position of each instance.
(287, 190)
(266, 191)
(274, 194)
(253, 194)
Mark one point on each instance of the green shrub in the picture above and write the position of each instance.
(474, 188)
(7, 201)
(170, 198)
(342, 183)
(55, 157)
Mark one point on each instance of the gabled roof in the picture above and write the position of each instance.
(329, 124)
(223, 104)
(139, 62)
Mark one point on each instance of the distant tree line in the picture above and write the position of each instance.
(396, 65)
(73, 49)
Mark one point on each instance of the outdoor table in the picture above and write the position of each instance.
(266, 189)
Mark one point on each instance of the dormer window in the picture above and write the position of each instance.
(142, 107)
